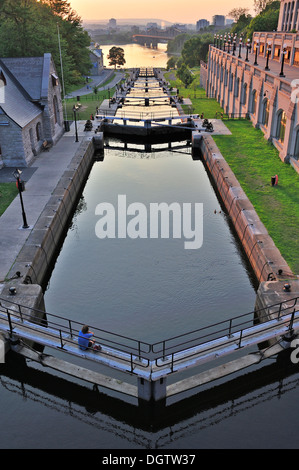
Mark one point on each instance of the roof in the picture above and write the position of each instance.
(17, 104)
(32, 73)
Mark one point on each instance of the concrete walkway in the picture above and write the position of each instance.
(98, 81)
(41, 180)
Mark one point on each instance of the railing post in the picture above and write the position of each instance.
(241, 334)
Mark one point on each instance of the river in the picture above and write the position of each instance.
(149, 289)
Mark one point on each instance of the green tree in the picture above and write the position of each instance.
(116, 56)
(185, 75)
(171, 63)
(30, 28)
(267, 20)
(196, 49)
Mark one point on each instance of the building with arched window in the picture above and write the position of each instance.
(30, 108)
(261, 81)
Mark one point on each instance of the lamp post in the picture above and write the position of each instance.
(215, 39)
(109, 96)
(247, 47)
(75, 116)
(268, 55)
(221, 42)
(256, 51)
(224, 42)
(240, 47)
(234, 45)
(284, 51)
(20, 184)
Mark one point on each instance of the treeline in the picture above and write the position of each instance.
(29, 28)
(194, 48)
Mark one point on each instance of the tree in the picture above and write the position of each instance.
(267, 20)
(185, 75)
(196, 49)
(116, 56)
(260, 5)
(236, 13)
(171, 63)
(30, 28)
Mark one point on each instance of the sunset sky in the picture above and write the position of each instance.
(176, 11)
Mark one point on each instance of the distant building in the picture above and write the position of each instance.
(219, 20)
(97, 60)
(112, 23)
(30, 108)
(201, 24)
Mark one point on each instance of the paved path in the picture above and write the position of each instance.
(98, 81)
(41, 180)
(291, 72)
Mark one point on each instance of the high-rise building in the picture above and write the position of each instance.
(201, 24)
(219, 20)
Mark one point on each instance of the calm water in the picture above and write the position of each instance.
(140, 56)
(149, 289)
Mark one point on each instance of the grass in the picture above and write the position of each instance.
(200, 102)
(8, 192)
(254, 161)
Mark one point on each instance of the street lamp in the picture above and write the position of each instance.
(21, 187)
(247, 47)
(284, 51)
(109, 96)
(240, 47)
(256, 51)
(215, 35)
(221, 42)
(234, 45)
(268, 55)
(224, 42)
(75, 116)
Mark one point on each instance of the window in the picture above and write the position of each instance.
(38, 132)
(244, 94)
(296, 152)
(281, 126)
(266, 112)
(254, 102)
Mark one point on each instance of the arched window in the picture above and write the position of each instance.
(38, 131)
(56, 110)
(244, 94)
(296, 151)
(254, 102)
(266, 112)
(281, 126)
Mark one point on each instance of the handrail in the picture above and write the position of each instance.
(186, 344)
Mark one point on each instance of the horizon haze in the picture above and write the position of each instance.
(173, 11)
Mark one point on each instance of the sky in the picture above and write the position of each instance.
(175, 11)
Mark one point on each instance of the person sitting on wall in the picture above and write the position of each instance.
(84, 339)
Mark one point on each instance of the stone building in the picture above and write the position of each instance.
(258, 80)
(30, 108)
(97, 61)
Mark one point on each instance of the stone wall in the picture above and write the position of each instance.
(262, 254)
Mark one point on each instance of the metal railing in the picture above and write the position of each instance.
(168, 352)
(63, 333)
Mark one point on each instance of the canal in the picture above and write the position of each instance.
(149, 289)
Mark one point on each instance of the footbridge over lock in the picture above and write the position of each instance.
(32, 333)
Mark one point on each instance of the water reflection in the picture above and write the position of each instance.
(150, 289)
(240, 406)
(140, 56)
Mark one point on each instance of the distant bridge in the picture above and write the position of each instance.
(151, 38)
